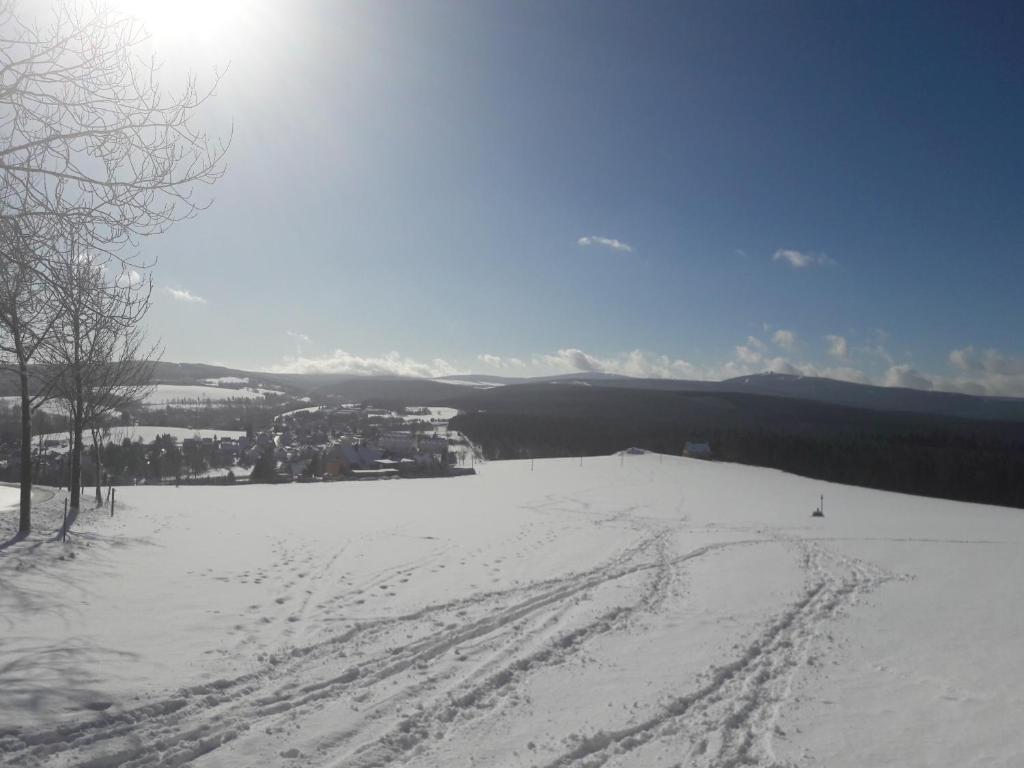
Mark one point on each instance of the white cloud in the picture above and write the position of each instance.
(962, 358)
(801, 259)
(573, 360)
(390, 364)
(904, 375)
(496, 361)
(607, 242)
(128, 278)
(637, 363)
(976, 371)
(984, 372)
(748, 354)
(989, 361)
(180, 294)
(994, 373)
(300, 339)
(837, 346)
(750, 357)
(784, 339)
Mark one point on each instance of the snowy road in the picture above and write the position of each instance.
(646, 611)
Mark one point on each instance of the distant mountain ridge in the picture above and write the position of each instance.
(458, 389)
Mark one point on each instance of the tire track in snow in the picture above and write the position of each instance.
(177, 729)
(730, 720)
(482, 692)
(464, 702)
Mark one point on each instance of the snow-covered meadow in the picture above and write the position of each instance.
(633, 611)
(171, 395)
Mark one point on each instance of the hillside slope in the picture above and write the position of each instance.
(632, 611)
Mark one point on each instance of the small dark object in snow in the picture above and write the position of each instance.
(820, 511)
(98, 706)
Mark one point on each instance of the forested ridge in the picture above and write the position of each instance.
(966, 460)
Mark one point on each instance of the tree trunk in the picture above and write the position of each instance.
(25, 520)
(76, 462)
(99, 474)
(77, 418)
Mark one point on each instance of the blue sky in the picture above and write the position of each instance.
(695, 190)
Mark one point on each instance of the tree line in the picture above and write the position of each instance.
(925, 460)
(94, 155)
(129, 461)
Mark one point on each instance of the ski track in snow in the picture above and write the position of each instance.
(730, 720)
(447, 665)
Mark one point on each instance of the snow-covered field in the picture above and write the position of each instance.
(171, 394)
(226, 380)
(642, 611)
(436, 413)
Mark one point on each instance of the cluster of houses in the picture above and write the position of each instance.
(326, 443)
(314, 443)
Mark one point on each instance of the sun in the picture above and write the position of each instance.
(208, 24)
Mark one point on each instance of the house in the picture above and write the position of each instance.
(342, 459)
(433, 444)
(398, 443)
(697, 451)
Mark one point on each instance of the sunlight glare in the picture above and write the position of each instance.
(188, 23)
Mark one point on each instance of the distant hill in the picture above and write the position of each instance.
(931, 443)
(815, 389)
(398, 390)
(879, 398)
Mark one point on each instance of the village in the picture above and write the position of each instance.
(350, 441)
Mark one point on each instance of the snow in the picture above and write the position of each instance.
(436, 413)
(479, 384)
(226, 380)
(147, 434)
(8, 496)
(310, 409)
(637, 610)
(237, 471)
(171, 394)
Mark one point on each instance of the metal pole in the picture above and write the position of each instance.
(64, 526)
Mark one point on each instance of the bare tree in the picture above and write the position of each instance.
(96, 350)
(87, 134)
(26, 320)
(121, 372)
(94, 153)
